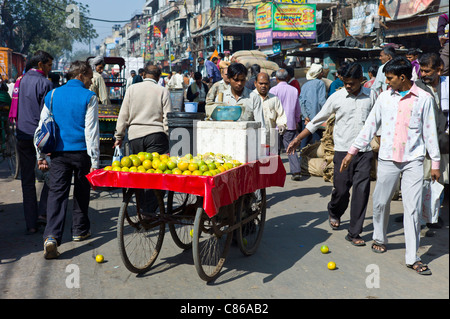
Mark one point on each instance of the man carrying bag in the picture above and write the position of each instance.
(75, 110)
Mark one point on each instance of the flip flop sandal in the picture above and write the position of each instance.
(420, 268)
(378, 251)
(357, 241)
(334, 221)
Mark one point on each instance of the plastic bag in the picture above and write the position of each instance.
(117, 154)
(431, 201)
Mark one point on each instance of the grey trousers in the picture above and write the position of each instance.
(444, 57)
(294, 160)
(411, 187)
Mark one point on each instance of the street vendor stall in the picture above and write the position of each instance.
(207, 210)
(216, 193)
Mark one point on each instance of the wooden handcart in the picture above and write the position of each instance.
(202, 212)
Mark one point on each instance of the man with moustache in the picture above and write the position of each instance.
(431, 66)
(274, 114)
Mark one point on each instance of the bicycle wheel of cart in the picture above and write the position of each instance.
(212, 240)
(251, 213)
(182, 208)
(11, 152)
(139, 237)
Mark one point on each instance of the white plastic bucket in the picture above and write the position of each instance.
(190, 106)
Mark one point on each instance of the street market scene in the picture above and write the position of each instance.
(201, 150)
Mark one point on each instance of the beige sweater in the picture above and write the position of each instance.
(144, 110)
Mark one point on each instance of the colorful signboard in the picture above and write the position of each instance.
(291, 1)
(159, 55)
(263, 16)
(294, 17)
(263, 37)
(284, 21)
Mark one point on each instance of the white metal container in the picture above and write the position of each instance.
(240, 140)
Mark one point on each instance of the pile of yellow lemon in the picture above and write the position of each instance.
(208, 164)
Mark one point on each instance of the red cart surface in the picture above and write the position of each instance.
(217, 191)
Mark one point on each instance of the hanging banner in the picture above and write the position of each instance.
(156, 32)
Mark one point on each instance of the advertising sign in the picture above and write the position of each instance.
(284, 21)
(263, 16)
(290, 17)
(159, 55)
(263, 37)
(293, 35)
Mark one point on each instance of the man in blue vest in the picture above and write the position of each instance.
(75, 110)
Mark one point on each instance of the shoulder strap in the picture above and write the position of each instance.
(51, 102)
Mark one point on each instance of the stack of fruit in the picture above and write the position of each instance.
(208, 164)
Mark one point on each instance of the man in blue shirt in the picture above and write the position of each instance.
(338, 83)
(312, 97)
(213, 71)
(33, 88)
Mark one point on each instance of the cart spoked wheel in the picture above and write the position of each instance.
(140, 236)
(212, 240)
(182, 207)
(251, 214)
(11, 151)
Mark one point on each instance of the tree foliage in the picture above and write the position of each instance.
(29, 25)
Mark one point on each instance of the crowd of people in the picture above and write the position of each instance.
(409, 119)
(403, 104)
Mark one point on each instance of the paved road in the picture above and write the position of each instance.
(287, 265)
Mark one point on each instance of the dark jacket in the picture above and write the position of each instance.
(33, 88)
(191, 96)
(441, 118)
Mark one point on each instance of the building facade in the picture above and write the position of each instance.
(174, 34)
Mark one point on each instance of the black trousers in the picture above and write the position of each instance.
(156, 142)
(64, 165)
(27, 163)
(357, 177)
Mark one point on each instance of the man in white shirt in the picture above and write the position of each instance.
(221, 85)
(351, 106)
(386, 54)
(176, 81)
(409, 131)
(130, 79)
(274, 115)
(238, 94)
